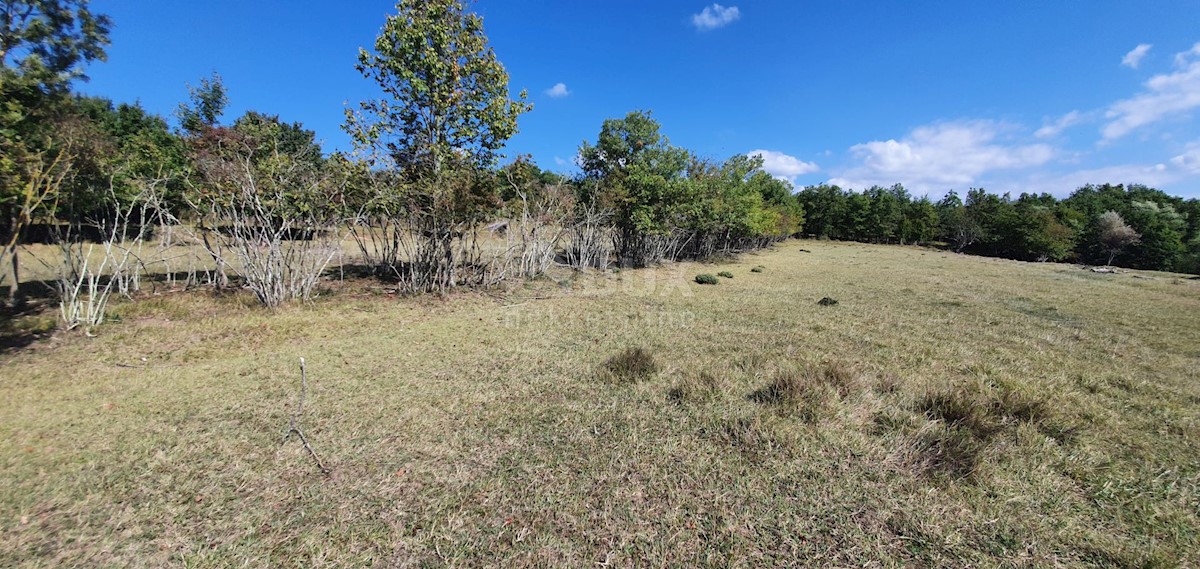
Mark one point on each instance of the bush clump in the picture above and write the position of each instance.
(631, 365)
(758, 269)
(826, 301)
(706, 279)
(725, 274)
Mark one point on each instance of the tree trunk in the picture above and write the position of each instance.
(15, 286)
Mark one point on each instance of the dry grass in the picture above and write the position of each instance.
(964, 412)
(631, 366)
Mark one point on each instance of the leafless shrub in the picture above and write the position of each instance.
(535, 228)
(424, 233)
(591, 237)
(267, 214)
(84, 280)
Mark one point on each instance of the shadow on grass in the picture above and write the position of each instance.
(24, 324)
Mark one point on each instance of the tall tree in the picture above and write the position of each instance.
(444, 115)
(920, 223)
(1114, 234)
(206, 103)
(44, 45)
(446, 102)
(48, 41)
(641, 174)
(824, 210)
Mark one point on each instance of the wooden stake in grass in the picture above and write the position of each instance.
(294, 426)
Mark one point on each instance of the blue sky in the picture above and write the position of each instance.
(1010, 96)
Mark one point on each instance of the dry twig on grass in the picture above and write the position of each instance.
(294, 426)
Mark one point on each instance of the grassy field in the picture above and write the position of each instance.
(947, 411)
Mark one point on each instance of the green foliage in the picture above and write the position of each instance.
(445, 103)
(127, 148)
(725, 274)
(758, 269)
(206, 104)
(430, 140)
(1161, 221)
(669, 204)
(641, 176)
(706, 279)
(44, 45)
(48, 41)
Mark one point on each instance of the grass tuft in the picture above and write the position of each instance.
(694, 388)
(751, 436)
(969, 416)
(632, 365)
(949, 451)
(961, 408)
(808, 393)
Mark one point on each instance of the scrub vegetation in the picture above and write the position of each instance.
(495, 365)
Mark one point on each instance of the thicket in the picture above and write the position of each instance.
(423, 196)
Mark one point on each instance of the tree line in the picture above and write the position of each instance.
(1132, 226)
(422, 194)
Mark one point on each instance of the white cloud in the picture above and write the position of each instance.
(784, 166)
(1165, 95)
(558, 91)
(939, 157)
(1134, 57)
(1181, 58)
(1153, 175)
(1189, 161)
(715, 16)
(1053, 129)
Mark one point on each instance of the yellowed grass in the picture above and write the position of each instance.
(482, 430)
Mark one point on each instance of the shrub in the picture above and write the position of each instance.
(758, 269)
(826, 301)
(706, 279)
(631, 365)
(725, 274)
